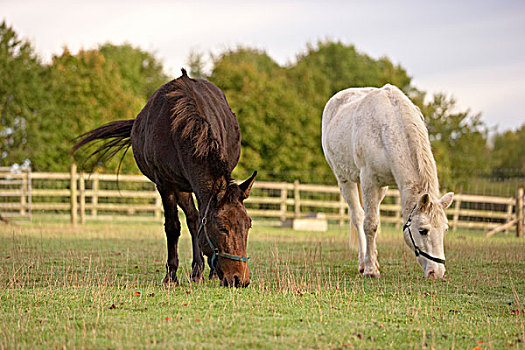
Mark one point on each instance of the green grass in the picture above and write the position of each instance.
(77, 288)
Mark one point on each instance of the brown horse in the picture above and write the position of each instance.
(186, 139)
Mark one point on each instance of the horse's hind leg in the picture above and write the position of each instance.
(185, 201)
(350, 193)
(172, 229)
(372, 196)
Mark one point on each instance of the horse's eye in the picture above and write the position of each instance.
(423, 231)
(224, 231)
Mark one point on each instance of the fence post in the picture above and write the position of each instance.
(519, 212)
(284, 197)
(73, 194)
(82, 190)
(94, 197)
(297, 199)
(23, 194)
(342, 206)
(28, 172)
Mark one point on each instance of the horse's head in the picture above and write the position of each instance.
(227, 227)
(424, 233)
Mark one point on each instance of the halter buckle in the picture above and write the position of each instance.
(417, 251)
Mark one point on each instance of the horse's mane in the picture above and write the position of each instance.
(188, 121)
(417, 136)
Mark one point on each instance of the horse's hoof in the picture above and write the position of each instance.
(361, 268)
(213, 275)
(371, 273)
(170, 281)
(197, 279)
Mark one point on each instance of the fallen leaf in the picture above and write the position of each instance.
(151, 295)
(480, 342)
(188, 292)
(168, 318)
(8, 257)
(112, 307)
(454, 311)
(136, 293)
(477, 348)
(197, 319)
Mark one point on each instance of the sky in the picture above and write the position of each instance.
(471, 50)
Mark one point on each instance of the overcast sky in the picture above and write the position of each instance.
(473, 50)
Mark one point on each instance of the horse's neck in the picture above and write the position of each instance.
(206, 189)
(415, 177)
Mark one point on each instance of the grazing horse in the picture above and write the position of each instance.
(377, 137)
(186, 139)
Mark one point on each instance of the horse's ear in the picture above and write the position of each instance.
(446, 200)
(246, 186)
(424, 201)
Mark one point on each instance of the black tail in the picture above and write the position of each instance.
(115, 136)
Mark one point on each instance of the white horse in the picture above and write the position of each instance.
(377, 137)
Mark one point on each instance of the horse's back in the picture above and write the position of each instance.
(359, 128)
(159, 146)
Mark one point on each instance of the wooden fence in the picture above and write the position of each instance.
(15, 192)
(98, 196)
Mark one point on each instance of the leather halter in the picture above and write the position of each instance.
(215, 250)
(417, 250)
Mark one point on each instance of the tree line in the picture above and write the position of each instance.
(44, 106)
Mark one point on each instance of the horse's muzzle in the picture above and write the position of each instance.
(234, 282)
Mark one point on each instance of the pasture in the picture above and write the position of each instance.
(98, 286)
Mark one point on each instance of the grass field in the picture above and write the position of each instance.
(98, 286)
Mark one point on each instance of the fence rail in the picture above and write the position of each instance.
(97, 196)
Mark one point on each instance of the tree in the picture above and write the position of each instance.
(22, 94)
(279, 108)
(278, 136)
(87, 90)
(459, 140)
(508, 154)
(141, 72)
(330, 67)
(196, 64)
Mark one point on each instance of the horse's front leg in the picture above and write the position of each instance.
(185, 201)
(172, 229)
(372, 196)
